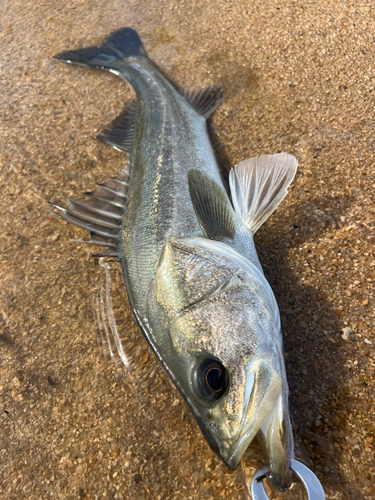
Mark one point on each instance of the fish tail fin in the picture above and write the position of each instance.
(118, 46)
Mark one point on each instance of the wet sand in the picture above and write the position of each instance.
(298, 77)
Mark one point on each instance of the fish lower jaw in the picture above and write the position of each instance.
(262, 390)
(234, 453)
(279, 443)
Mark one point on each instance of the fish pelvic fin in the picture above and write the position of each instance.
(212, 206)
(259, 185)
(101, 214)
(119, 45)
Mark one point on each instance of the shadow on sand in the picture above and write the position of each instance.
(316, 356)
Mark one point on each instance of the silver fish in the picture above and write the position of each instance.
(191, 270)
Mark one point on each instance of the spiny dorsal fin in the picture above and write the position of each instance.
(205, 101)
(259, 185)
(212, 206)
(101, 214)
(120, 132)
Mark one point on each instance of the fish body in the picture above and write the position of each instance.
(190, 266)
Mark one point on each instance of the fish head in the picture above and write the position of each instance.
(224, 327)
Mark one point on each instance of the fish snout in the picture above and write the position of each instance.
(265, 409)
(261, 389)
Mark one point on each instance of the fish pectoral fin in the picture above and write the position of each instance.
(212, 206)
(120, 132)
(205, 101)
(259, 185)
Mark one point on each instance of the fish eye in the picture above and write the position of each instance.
(211, 379)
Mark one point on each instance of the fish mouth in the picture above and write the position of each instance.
(265, 410)
(262, 388)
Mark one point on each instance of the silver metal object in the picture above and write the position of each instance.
(309, 480)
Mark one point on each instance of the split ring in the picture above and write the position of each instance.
(309, 480)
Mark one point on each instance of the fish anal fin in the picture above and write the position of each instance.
(120, 132)
(258, 186)
(212, 206)
(205, 101)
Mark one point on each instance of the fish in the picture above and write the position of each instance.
(186, 247)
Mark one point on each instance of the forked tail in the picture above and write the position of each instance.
(119, 45)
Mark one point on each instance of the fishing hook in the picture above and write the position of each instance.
(309, 480)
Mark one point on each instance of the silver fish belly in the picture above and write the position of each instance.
(192, 273)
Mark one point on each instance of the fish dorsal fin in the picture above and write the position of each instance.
(212, 206)
(205, 101)
(259, 185)
(101, 214)
(120, 132)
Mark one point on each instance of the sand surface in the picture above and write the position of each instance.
(298, 77)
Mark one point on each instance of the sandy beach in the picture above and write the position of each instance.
(298, 77)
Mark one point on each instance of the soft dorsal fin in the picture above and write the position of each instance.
(212, 206)
(120, 132)
(259, 185)
(205, 101)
